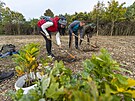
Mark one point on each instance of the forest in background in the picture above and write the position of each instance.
(114, 19)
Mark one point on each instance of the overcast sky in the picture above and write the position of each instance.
(36, 8)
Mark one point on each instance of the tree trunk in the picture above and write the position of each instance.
(112, 27)
(34, 30)
(18, 29)
(97, 27)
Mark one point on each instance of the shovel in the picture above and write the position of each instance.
(72, 56)
(95, 46)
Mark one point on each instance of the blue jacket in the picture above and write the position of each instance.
(74, 26)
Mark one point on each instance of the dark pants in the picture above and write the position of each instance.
(62, 31)
(76, 39)
(48, 42)
(88, 35)
(88, 38)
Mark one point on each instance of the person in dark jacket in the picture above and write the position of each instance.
(62, 31)
(88, 30)
(74, 27)
(48, 25)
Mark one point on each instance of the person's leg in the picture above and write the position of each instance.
(81, 36)
(48, 43)
(63, 31)
(76, 40)
(88, 39)
(70, 39)
(80, 41)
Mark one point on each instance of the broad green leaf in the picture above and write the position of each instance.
(42, 99)
(132, 92)
(100, 59)
(82, 96)
(26, 97)
(54, 91)
(116, 98)
(45, 84)
(35, 93)
(120, 89)
(121, 79)
(107, 95)
(131, 82)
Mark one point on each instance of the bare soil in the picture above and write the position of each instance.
(121, 48)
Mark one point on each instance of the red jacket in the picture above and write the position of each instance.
(53, 28)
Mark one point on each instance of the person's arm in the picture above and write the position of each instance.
(72, 25)
(70, 28)
(89, 31)
(58, 39)
(82, 33)
(45, 26)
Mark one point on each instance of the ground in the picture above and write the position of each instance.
(121, 48)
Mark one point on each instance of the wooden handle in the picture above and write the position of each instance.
(85, 41)
(72, 56)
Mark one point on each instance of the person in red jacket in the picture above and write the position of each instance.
(48, 25)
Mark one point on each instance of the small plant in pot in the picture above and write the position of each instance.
(27, 65)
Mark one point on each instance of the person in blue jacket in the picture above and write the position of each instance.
(74, 27)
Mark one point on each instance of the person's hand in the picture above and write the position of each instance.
(73, 34)
(48, 37)
(60, 46)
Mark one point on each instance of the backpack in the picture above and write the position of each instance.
(47, 18)
(43, 20)
(7, 48)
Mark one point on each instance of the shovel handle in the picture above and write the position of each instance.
(85, 40)
(72, 56)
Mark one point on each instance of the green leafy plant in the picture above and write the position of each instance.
(124, 86)
(15, 95)
(27, 61)
(99, 81)
(104, 70)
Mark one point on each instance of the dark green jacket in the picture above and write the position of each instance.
(88, 29)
